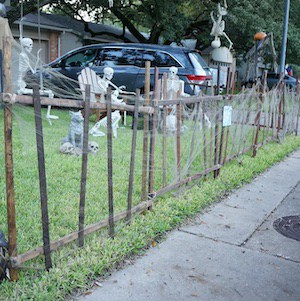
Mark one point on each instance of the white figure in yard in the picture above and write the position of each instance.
(174, 88)
(24, 66)
(115, 118)
(104, 84)
(219, 26)
(174, 84)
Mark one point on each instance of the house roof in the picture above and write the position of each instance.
(106, 33)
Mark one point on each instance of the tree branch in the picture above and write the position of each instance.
(127, 23)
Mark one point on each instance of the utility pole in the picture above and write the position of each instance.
(284, 36)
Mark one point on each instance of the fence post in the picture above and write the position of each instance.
(164, 130)
(146, 133)
(153, 134)
(110, 167)
(178, 142)
(132, 159)
(216, 138)
(279, 116)
(204, 135)
(42, 175)
(221, 140)
(84, 165)
(298, 102)
(9, 165)
(257, 121)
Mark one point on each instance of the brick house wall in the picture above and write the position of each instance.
(53, 46)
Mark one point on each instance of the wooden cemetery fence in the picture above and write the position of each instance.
(207, 132)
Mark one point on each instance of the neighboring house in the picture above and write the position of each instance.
(60, 34)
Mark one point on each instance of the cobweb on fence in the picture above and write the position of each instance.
(196, 148)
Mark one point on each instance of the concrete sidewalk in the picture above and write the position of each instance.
(230, 252)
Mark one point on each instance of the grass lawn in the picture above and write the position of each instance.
(74, 268)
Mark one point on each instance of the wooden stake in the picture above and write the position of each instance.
(42, 175)
(227, 137)
(192, 146)
(221, 143)
(204, 136)
(164, 130)
(84, 166)
(9, 165)
(178, 126)
(110, 167)
(257, 122)
(146, 133)
(132, 159)
(216, 139)
(153, 134)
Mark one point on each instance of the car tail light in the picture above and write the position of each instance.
(198, 78)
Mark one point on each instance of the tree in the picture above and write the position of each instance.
(153, 21)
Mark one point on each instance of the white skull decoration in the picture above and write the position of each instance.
(108, 73)
(27, 44)
(67, 148)
(173, 72)
(93, 147)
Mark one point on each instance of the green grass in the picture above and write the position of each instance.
(75, 268)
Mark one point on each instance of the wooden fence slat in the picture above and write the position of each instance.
(84, 166)
(153, 134)
(164, 130)
(221, 142)
(146, 134)
(132, 159)
(216, 159)
(227, 135)
(9, 165)
(110, 166)
(42, 175)
(204, 137)
(178, 139)
(257, 129)
(192, 145)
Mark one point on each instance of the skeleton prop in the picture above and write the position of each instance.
(24, 65)
(219, 26)
(93, 147)
(115, 117)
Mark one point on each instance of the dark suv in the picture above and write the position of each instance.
(128, 62)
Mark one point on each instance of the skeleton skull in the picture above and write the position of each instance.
(67, 148)
(108, 73)
(93, 147)
(173, 72)
(27, 44)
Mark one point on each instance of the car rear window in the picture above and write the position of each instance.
(197, 60)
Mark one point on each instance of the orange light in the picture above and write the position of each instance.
(259, 36)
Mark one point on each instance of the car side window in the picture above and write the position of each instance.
(118, 57)
(157, 59)
(83, 58)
